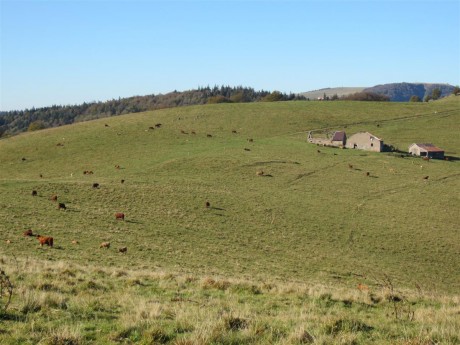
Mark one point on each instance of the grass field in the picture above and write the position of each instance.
(309, 222)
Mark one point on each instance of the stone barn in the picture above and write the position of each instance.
(365, 141)
(426, 150)
(339, 139)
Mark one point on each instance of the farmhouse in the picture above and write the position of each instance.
(426, 150)
(365, 141)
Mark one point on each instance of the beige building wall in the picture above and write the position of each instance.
(365, 141)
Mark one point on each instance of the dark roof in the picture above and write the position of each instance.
(339, 136)
(429, 147)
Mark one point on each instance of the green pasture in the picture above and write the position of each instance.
(309, 218)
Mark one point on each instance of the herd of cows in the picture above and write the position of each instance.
(49, 241)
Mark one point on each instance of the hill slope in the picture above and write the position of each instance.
(248, 268)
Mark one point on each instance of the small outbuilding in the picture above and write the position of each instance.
(339, 139)
(426, 150)
(365, 141)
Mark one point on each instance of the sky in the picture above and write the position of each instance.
(69, 52)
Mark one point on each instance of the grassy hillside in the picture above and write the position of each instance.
(308, 219)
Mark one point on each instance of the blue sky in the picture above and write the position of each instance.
(68, 52)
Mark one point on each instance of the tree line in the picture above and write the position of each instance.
(16, 121)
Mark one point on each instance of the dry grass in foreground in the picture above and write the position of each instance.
(63, 303)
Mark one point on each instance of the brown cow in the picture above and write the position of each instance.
(75, 242)
(105, 245)
(208, 204)
(368, 173)
(95, 185)
(120, 216)
(158, 125)
(45, 240)
(123, 250)
(122, 181)
(259, 173)
(250, 140)
(209, 135)
(34, 193)
(54, 197)
(117, 166)
(61, 206)
(28, 233)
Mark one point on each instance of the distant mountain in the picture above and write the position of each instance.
(402, 92)
(398, 92)
(330, 92)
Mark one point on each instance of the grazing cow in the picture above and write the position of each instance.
(23, 159)
(8, 241)
(59, 144)
(193, 132)
(183, 132)
(318, 151)
(34, 193)
(426, 177)
(350, 166)
(123, 250)
(234, 132)
(209, 135)
(151, 127)
(368, 174)
(120, 216)
(54, 197)
(105, 245)
(95, 185)
(426, 158)
(158, 125)
(246, 149)
(122, 181)
(117, 166)
(250, 140)
(45, 240)
(41, 175)
(61, 206)
(208, 204)
(28, 233)
(75, 242)
(259, 173)
(106, 125)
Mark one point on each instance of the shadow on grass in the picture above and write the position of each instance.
(5, 316)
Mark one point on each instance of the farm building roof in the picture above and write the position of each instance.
(339, 136)
(429, 147)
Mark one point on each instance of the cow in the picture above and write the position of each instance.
(246, 149)
(193, 132)
(54, 197)
(426, 177)
(234, 132)
(28, 233)
(75, 242)
(34, 193)
(45, 240)
(123, 250)
(61, 206)
(259, 173)
(120, 216)
(209, 135)
(23, 159)
(105, 245)
(208, 204)
(158, 125)
(95, 185)
(122, 181)
(250, 140)
(151, 127)
(350, 166)
(368, 174)
(106, 125)
(183, 132)
(117, 166)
